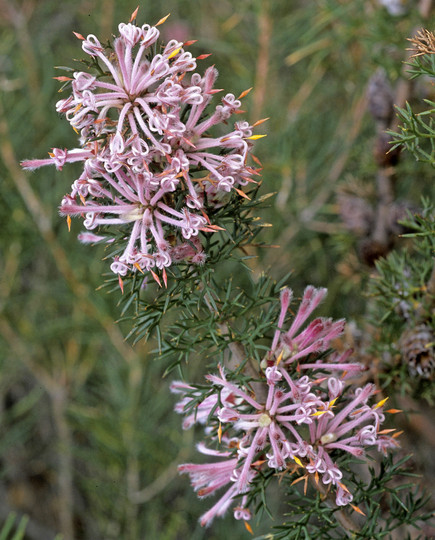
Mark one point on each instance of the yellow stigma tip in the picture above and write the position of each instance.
(332, 403)
(281, 354)
(255, 137)
(68, 220)
(298, 461)
(381, 403)
(174, 53)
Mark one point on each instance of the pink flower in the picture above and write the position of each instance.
(269, 424)
(150, 165)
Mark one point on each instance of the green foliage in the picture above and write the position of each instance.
(417, 129)
(404, 297)
(417, 132)
(7, 532)
(400, 285)
(385, 507)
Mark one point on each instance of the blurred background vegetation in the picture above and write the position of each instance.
(89, 443)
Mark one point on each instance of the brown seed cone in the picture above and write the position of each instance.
(418, 351)
(380, 97)
(384, 156)
(356, 213)
(370, 250)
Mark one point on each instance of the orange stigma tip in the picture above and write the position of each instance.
(156, 278)
(220, 432)
(245, 93)
(165, 278)
(322, 379)
(121, 284)
(134, 14)
(281, 354)
(203, 56)
(385, 431)
(162, 20)
(205, 216)
(68, 221)
(78, 36)
(258, 122)
(394, 411)
(62, 78)
(395, 435)
(248, 527)
(215, 91)
(343, 487)
(257, 161)
(136, 265)
(242, 194)
(189, 142)
(357, 509)
(191, 42)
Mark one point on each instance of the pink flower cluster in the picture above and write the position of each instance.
(307, 413)
(151, 165)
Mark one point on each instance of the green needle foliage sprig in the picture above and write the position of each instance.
(404, 294)
(311, 518)
(417, 129)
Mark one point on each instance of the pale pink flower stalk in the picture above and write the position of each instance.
(207, 478)
(150, 163)
(296, 345)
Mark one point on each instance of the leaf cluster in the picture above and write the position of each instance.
(150, 302)
(417, 129)
(403, 297)
(384, 506)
